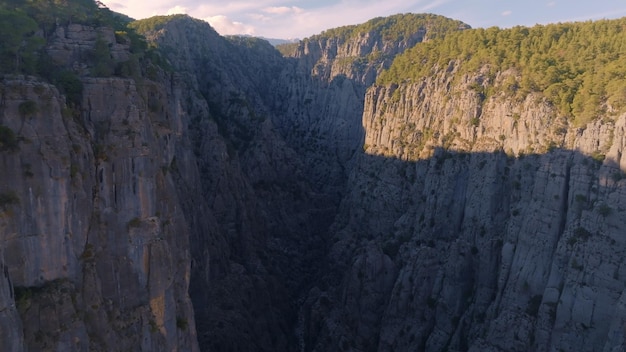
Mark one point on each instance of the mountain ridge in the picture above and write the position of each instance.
(216, 194)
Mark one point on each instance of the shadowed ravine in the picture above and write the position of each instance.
(455, 251)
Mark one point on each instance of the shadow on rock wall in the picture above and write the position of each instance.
(476, 252)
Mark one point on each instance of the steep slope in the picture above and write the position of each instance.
(477, 220)
(273, 193)
(258, 224)
(94, 242)
(320, 113)
(178, 144)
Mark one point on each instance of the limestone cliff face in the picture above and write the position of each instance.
(476, 223)
(361, 52)
(73, 44)
(95, 246)
(107, 190)
(320, 112)
(257, 223)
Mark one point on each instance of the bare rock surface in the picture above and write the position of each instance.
(93, 237)
(502, 221)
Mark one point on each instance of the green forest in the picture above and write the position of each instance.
(392, 29)
(579, 67)
(397, 27)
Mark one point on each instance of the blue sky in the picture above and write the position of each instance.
(303, 18)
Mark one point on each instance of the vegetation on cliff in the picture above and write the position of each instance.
(30, 29)
(27, 26)
(396, 28)
(153, 23)
(579, 67)
(393, 29)
(18, 41)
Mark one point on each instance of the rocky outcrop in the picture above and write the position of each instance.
(105, 191)
(476, 223)
(73, 46)
(320, 112)
(94, 242)
(272, 193)
(257, 223)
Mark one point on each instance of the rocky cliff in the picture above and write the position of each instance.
(95, 245)
(253, 213)
(272, 190)
(320, 112)
(476, 223)
(213, 194)
(180, 153)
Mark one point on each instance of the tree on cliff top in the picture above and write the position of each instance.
(579, 67)
(18, 41)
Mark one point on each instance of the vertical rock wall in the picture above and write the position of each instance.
(94, 241)
(476, 223)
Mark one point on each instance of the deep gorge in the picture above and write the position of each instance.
(217, 194)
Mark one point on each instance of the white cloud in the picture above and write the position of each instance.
(231, 8)
(260, 17)
(177, 10)
(283, 10)
(225, 26)
(507, 13)
(551, 4)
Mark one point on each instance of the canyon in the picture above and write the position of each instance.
(242, 198)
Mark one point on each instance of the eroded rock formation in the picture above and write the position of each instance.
(298, 207)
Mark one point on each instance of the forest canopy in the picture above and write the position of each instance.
(578, 67)
(397, 27)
